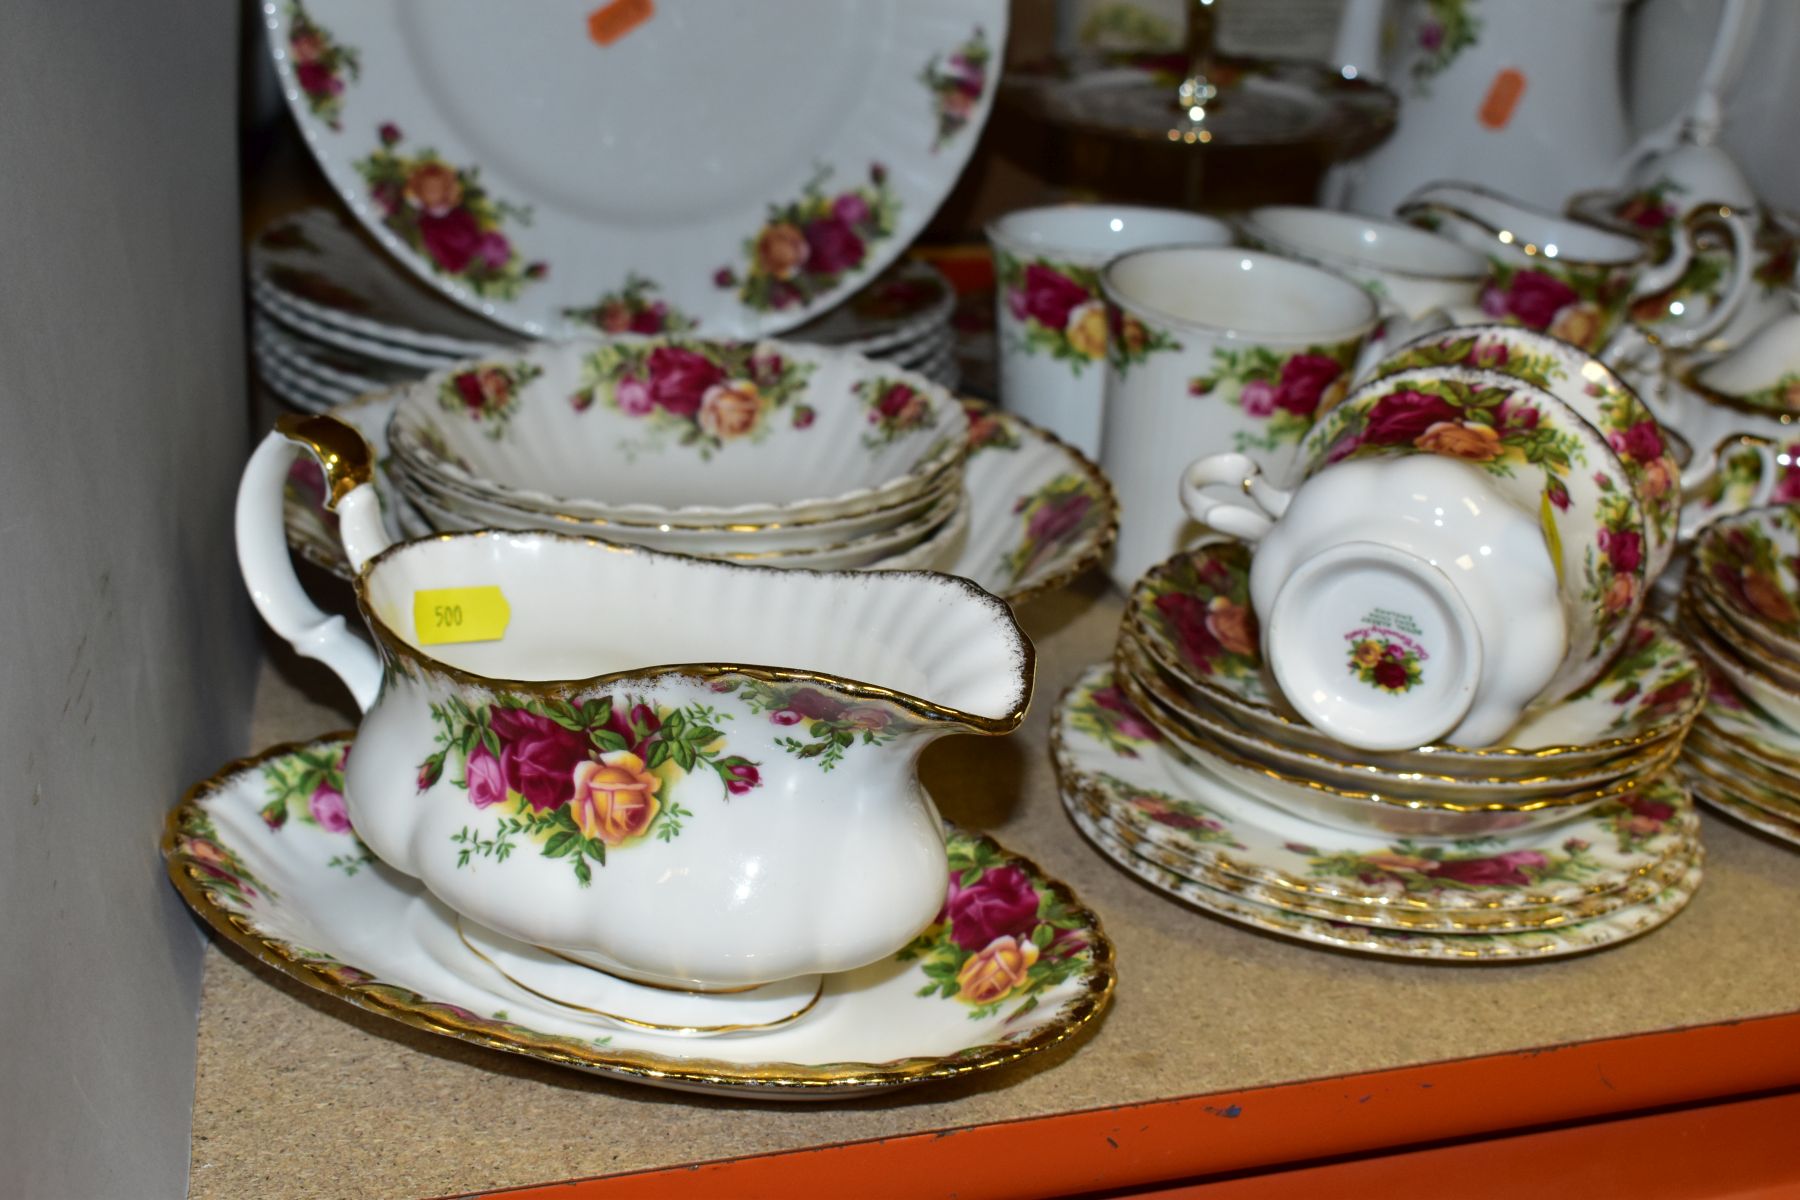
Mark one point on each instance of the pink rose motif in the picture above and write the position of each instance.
(832, 246)
(486, 783)
(867, 716)
(1056, 520)
(786, 716)
(740, 774)
(850, 208)
(1625, 550)
(680, 378)
(1257, 398)
(1400, 417)
(1304, 379)
(1000, 903)
(1431, 36)
(1489, 355)
(1641, 443)
(1050, 296)
(804, 416)
(1015, 304)
(633, 396)
(494, 250)
(451, 239)
(537, 757)
(1788, 490)
(327, 807)
(1518, 414)
(1127, 719)
(1535, 298)
(815, 705)
(1558, 493)
(1493, 301)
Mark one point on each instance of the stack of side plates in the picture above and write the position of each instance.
(333, 319)
(1740, 606)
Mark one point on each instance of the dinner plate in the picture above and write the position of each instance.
(746, 166)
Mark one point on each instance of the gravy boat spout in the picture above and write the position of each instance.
(686, 772)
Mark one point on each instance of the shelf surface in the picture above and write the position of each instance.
(300, 1096)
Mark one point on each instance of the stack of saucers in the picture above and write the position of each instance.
(1181, 762)
(772, 453)
(333, 317)
(1740, 606)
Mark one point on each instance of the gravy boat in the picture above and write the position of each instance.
(687, 773)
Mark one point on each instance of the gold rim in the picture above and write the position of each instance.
(1109, 533)
(1766, 778)
(409, 1008)
(396, 648)
(1744, 745)
(633, 1022)
(1447, 922)
(1735, 788)
(1596, 795)
(1689, 378)
(1071, 777)
(1708, 599)
(1130, 660)
(342, 451)
(1727, 803)
(1726, 656)
(1140, 597)
(1512, 241)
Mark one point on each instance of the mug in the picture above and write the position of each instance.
(1573, 280)
(1409, 271)
(1215, 349)
(687, 773)
(1052, 321)
(1403, 600)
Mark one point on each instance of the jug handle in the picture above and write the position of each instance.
(1742, 235)
(1227, 516)
(1701, 119)
(262, 549)
(1702, 473)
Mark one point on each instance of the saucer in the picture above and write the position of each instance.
(1729, 800)
(1528, 946)
(1108, 753)
(1040, 512)
(291, 885)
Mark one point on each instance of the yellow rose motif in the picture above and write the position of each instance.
(1461, 439)
(731, 409)
(1367, 653)
(615, 798)
(995, 970)
(433, 189)
(1619, 594)
(781, 250)
(1133, 334)
(1578, 323)
(1086, 330)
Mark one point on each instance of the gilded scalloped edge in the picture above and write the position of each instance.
(409, 1008)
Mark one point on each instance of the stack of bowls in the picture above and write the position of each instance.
(332, 317)
(1740, 606)
(1425, 717)
(770, 452)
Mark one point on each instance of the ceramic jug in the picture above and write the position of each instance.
(1523, 96)
(688, 773)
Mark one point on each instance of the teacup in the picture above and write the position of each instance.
(1052, 319)
(689, 773)
(1402, 600)
(1567, 278)
(1410, 271)
(1215, 350)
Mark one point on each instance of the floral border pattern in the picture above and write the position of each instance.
(955, 83)
(632, 308)
(323, 66)
(1283, 391)
(808, 246)
(702, 394)
(1058, 307)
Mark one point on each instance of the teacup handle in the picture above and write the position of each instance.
(262, 548)
(1225, 516)
(1683, 246)
(1765, 459)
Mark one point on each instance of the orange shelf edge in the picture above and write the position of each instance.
(1165, 1141)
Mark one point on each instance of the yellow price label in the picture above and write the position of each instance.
(466, 614)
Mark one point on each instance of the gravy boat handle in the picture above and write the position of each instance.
(262, 548)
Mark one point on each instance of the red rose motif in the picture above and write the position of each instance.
(815, 705)
(1390, 674)
(1535, 298)
(1488, 355)
(1400, 417)
(537, 757)
(1518, 414)
(1501, 870)
(1057, 519)
(901, 403)
(1129, 721)
(740, 775)
(1652, 810)
(1641, 443)
(451, 239)
(317, 80)
(1624, 550)
(643, 717)
(1000, 903)
(1188, 616)
(1050, 296)
(1304, 379)
(832, 246)
(679, 379)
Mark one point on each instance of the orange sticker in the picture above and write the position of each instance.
(612, 21)
(1502, 97)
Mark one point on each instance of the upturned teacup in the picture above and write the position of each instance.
(1052, 318)
(689, 773)
(1213, 350)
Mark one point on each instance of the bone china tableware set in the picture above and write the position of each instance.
(1411, 705)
